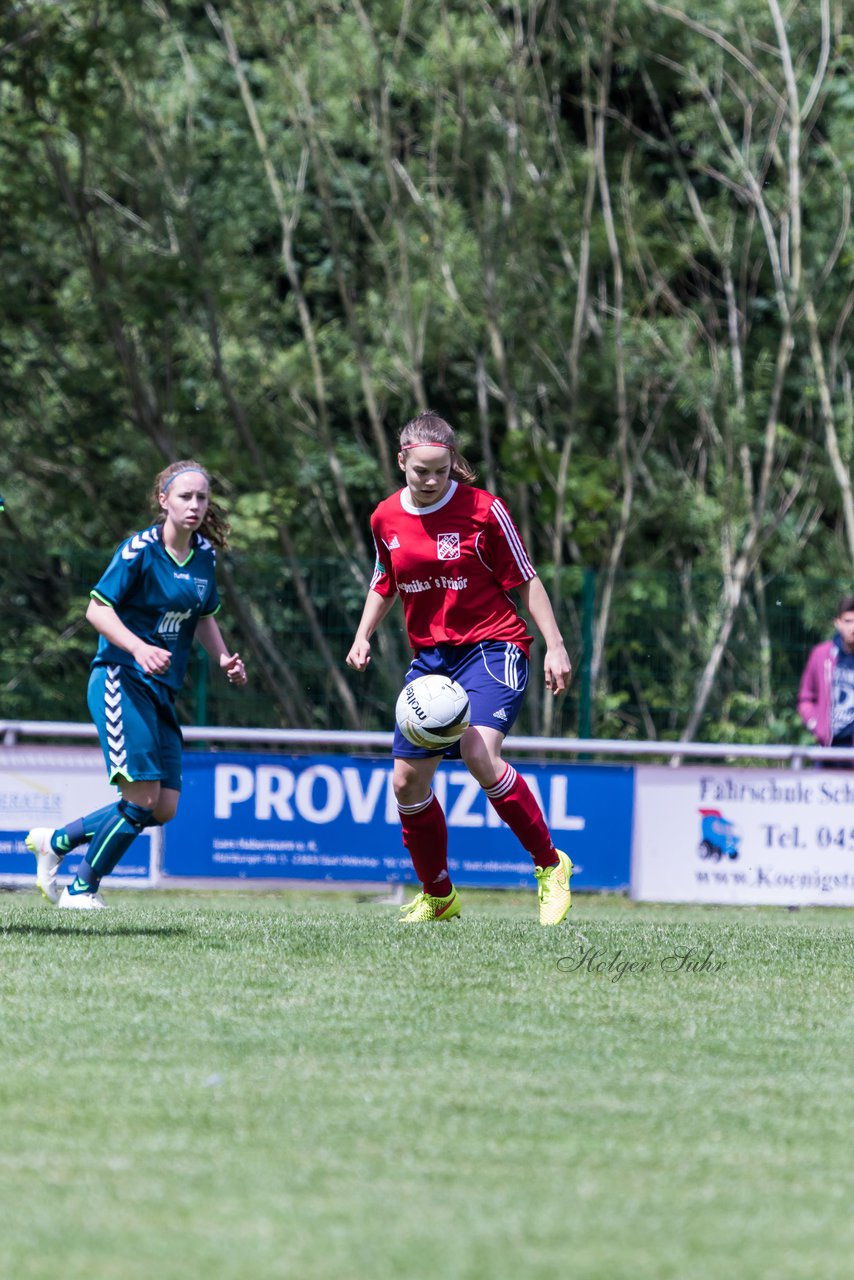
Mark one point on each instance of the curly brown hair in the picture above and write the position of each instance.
(215, 526)
(429, 428)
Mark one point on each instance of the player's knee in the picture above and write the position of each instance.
(136, 815)
(406, 791)
(485, 765)
(409, 788)
(164, 811)
(412, 779)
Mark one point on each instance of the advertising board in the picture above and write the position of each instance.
(335, 818)
(47, 787)
(751, 836)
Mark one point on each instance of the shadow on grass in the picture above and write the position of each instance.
(113, 930)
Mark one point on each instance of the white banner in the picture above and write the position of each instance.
(48, 787)
(743, 836)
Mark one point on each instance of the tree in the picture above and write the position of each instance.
(610, 243)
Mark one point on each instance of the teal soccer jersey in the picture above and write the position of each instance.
(158, 599)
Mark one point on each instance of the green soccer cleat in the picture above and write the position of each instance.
(424, 909)
(553, 890)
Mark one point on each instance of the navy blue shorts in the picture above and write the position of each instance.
(137, 726)
(494, 675)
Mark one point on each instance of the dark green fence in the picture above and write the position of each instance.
(294, 624)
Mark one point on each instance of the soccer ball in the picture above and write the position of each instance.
(432, 711)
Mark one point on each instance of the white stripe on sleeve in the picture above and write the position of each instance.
(514, 542)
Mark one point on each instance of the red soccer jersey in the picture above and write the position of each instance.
(453, 564)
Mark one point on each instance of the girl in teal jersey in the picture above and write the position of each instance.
(157, 594)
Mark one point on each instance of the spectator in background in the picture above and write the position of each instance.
(826, 693)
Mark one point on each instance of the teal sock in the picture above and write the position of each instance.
(120, 827)
(78, 832)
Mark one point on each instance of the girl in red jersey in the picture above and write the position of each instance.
(453, 554)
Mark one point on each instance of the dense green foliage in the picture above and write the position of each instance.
(610, 242)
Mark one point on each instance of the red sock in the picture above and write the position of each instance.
(513, 801)
(425, 835)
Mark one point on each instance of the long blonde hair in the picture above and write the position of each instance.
(429, 428)
(215, 526)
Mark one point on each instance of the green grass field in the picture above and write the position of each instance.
(252, 1085)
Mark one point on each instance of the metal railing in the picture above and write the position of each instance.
(675, 752)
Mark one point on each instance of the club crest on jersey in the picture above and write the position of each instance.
(448, 546)
(201, 587)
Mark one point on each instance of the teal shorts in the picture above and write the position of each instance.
(137, 726)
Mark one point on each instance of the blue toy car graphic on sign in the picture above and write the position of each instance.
(719, 837)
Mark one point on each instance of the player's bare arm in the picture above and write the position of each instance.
(103, 617)
(557, 666)
(210, 637)
(376, 608)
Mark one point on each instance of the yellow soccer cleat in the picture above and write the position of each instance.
(553, 890)
(424, 909)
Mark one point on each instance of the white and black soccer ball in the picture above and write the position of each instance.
(432, 711)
